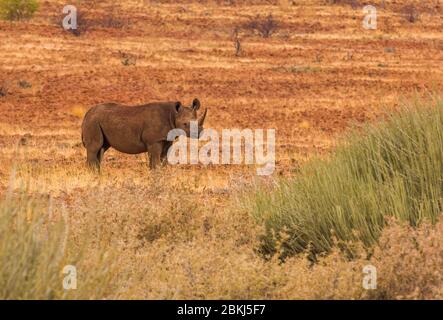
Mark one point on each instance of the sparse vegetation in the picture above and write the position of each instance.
(265, 26)
(34, 249)
(24, 84)
(127, 59)
(237, 46)
(3, 91)
(237, 42)
(393, 169)
(353, 3)
(318, 57)
(17, 9)
(304, 69)
(410, 13)
(389, 50)
(297, 69)
(112, 20)
(180, 253)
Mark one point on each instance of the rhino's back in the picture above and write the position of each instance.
(129, 113)
(114, 110)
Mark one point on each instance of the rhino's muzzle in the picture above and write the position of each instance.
(195, 130)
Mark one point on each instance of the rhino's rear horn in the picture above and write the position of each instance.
(201, 120)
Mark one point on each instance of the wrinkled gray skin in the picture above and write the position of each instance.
(136, 129)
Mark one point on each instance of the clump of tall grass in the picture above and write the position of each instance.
(35, 248)
(393, 168)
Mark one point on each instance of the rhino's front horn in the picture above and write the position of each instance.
(201, 120)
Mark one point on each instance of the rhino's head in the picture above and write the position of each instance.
(184, 116)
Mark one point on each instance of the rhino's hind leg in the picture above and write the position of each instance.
(95, 145)
(93, 159)
(102, 151)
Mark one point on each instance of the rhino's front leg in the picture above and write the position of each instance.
(155, 151)
(164, 155)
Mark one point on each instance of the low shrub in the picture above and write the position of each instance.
(265, 26)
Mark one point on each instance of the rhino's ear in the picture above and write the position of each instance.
(178, 106)
(196, 104)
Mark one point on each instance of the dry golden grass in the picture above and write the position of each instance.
(127, 245)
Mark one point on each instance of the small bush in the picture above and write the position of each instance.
(17, 9)
(296, 69)
(3, 92)
(112, 20)
(391, 169)
(127, 59)
(411, 13)
(4, 88)
(264, 26)
(24, 84)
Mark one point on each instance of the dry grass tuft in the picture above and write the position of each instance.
(78, 111)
